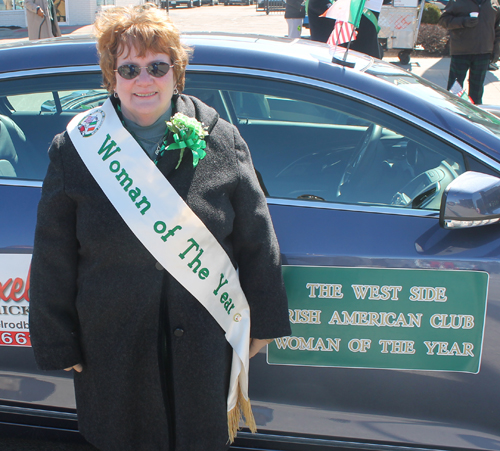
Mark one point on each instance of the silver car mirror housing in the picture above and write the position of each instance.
(471, 200)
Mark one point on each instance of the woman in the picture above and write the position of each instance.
(157, 367)
(41, 16)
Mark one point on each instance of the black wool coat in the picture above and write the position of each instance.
(155, 363)
(482, 39)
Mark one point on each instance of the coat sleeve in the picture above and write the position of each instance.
(496, 44)
(257, 252)
(449, 19)
(53, 316)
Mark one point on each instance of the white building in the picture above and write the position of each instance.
(69, 12)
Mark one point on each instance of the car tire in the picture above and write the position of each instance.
(190, 3)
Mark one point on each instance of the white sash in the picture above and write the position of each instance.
(171, 232)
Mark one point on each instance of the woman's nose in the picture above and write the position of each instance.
(144, 76)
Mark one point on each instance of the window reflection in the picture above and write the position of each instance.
(9, 5)
(318, 146)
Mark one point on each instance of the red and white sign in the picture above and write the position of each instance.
(14, 299)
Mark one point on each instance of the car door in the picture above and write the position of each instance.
(33, 109)
(390, 340)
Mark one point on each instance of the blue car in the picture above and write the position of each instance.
(384, 191)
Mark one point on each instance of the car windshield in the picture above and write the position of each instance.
(437, 95)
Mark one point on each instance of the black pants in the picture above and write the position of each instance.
(477, 66)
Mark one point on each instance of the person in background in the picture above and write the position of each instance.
(8, 4)
(157, 318)
(295, 12)
(60, 7)
(474, 27)
(367, 39)
(41, 16)
(320, 27)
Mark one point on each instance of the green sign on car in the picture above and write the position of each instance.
(383, 318)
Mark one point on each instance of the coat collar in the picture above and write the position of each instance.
(193, 107)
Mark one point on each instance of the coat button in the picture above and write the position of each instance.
(158, 266)
(178, 332)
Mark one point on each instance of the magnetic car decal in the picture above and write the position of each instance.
(14, 299)
(383, 318)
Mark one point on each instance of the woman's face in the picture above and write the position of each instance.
(144, 98)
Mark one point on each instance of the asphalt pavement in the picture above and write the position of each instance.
(247, 19)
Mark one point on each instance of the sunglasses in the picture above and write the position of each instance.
(131, 71)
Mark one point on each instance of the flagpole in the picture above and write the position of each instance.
(337, 40)
(343, 62)
(349, 11)
(349, 44)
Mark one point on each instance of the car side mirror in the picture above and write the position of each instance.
(471, 200)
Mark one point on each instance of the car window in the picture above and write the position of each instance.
(306, 143)
(437, 95)
(56, 101)
(32, 112)
(313, 145)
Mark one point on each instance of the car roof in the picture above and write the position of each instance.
(299, 57)
(232, 49)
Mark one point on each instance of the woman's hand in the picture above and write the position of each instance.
(256, 344)
(78, 368)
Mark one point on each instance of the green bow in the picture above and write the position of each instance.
(191, 141)
(188, 133)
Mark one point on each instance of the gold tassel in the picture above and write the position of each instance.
(242, 408)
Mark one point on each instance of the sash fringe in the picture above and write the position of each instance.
(242, 410)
